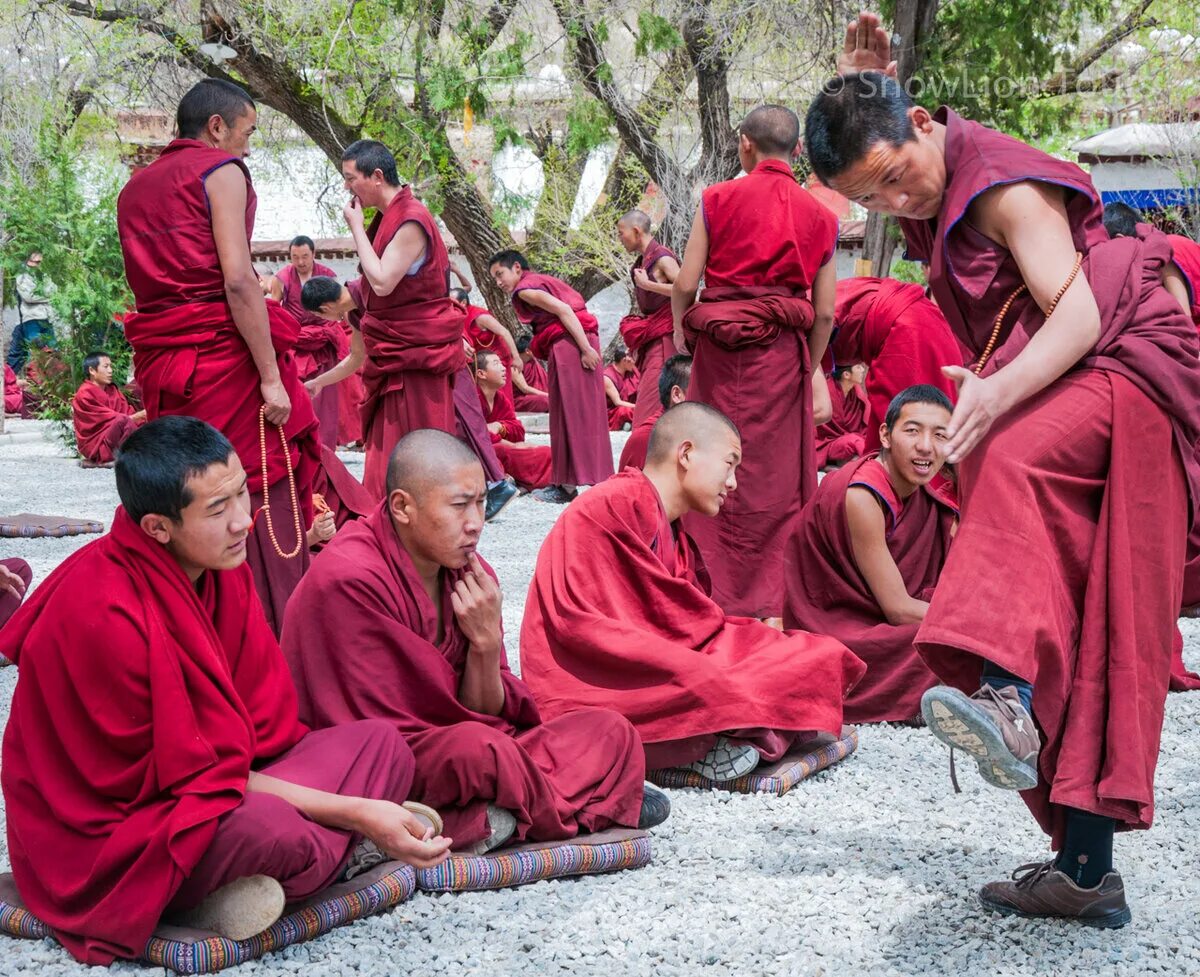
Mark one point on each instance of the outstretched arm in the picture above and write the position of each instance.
(566, 315)
(339, 372)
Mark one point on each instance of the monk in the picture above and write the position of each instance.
(648, 333)
(867, 552)
(565, 333)
(14, 394)
(102, 417)
(532, 382)
(321, 343)
(1054, 615)
(485, 332)
(205, 343)
(621, 382)
(171, 773)
(1121, 220)
(429, 658)
(15, 578)
(527, 464)
(672, 389)
(900, 335)
(618, 617)
(411, 328)
(844, 436)
(765, 248)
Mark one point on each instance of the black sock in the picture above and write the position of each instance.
(1086, 855)
(998, 678)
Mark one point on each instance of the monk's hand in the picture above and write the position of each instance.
(11, 583)
(680, 341)
(400, 834)
(139, 417)
(314, 386)
(276, 400)
(640, 278)
(354, 214)
(476, 600)
(496, 428)
(589, 358)
(868, 47)
(322, 530)
(979, 404)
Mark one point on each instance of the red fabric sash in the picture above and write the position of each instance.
(638, 331)
(734, 318)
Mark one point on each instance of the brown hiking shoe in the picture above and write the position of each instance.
(992, 726)
(1045, 892)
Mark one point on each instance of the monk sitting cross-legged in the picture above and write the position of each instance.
(103, 418)
(531, 382)
(621, 382)
(528, 464)
(153, 760)
(672, 389)
(867, 552)
(618, 616)
(844, 436)
(428, 656)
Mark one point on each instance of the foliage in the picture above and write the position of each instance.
(908, 271)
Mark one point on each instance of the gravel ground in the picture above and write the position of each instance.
(869, 868)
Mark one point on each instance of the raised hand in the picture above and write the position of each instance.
(476, 601)
(868, 47)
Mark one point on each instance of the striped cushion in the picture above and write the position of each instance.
(801, 762)
(606, 851)
(187, 951)
(29, 526)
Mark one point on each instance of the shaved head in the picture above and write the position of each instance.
(425, 458)
(637, 218)
(689, 421)
(774, 129)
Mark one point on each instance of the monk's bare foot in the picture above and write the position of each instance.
(502, 824)
(242, 909)
(726, 761)
(1040, 891)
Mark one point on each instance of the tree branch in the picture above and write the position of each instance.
(1069, 80)
(718, 144)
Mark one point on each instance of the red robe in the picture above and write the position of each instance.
(528, 464)
(826, 594)
(319, 347)
(413, 338)
(633, 454)
(14, 396)
(535, 375)
(1185, 253)
(768, 238)
(10, 602)
(339, 491)
(617, 617)
(103, 419)
(648, 335)
(627, 389)
(1067, 568)
(843, 436)
(484, 339)
(577, 773)
(902, 337)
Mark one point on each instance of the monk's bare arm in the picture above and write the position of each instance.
(1174, 283)
(661, 281)
(384, 272)
(610, 391)
(476, 601)
(273, 288)
(868, 541)
(522, 384)
(226, 190)
(1030, 220)
(566, 315)
(345, 368)
(824, 294)
(687, 282)
(497, 328)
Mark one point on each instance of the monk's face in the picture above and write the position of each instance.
(491, 375)
(906, 180)
(211, 532)
(367, 187)
(102, 373)
(630, 236)
(506, 278)
(858, 372)
(709, 470)
(440, 522)
(301, 258)
(235, 138)
(917, 442)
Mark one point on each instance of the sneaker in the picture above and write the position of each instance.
(242, 909)
(503, 826)
(726, 761)
(1043, 892)
(498, 496)
(366, 856)
(992, 726)
(555, 494)
(656, 807)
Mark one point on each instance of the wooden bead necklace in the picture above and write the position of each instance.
(291, 477)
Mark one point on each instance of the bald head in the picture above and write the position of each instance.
(690, 421)
(637, 218)
(425, 458)
(774, 130)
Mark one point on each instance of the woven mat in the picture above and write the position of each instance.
(26, 525)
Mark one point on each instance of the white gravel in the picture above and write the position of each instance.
(870, 868)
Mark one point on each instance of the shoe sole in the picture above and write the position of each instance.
(953, 719)
(1110, 921)
(503, 506)
(719, 773)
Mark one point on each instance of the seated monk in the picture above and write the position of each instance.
(867, 552)
(531, 382)
(102, 416)
(338, 498)
(618, 616)
(485, 332)
(429, 658)
(528, 464)
(843, 437)
(672, 389)
(621, 382)
(153, 760)
(14, 394)
(15, 578)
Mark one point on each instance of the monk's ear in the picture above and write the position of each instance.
(921, 119)
(157, 527)
(885, 436)
(400, 505)
(683, 454)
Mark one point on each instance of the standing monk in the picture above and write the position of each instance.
(205, 342)
(1058, 600)
(649, 333)
(101, 415)
(844, 436)
(764, 247)
(411, 328)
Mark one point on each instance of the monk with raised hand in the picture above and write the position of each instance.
(867, 552)
(631, 627)
(1056, 609)
(429, 658)
(648, 333)
(844, 436)
(764, 247)
(153, 761)
(672, 389)
(527, 464)
(205, 342)
(101, 415)
(621, 384)
(565, 333)
(411, 328)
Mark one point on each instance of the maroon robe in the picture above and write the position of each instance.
(103, 419)
(14, 396)
(10, 602)
(1185, 253)
(626, 385)
(319, 347)
(577, 773)
(648, 335)
(1067, 568)
(633, 454)
(536, 376)
(618, 617)
(827, 594)
(484, 339)
(768, 238)
(843, 436)
(528, 464)
(335, 489)
(472, 427)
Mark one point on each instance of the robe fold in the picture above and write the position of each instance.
(1067, 569)
(827, 594)
(1185, 254)
(10, 602)
(472, 427)
(536, 376)
(579, 772)
(103, 419)
(14, 396)
(319, 347)
(528, 464)
(843, 437)
(617, 617)
(633, 453)
(647, 335)
(343, 494)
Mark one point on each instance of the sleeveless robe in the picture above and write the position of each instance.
(648, 334)
(528, 464)
(319, 347)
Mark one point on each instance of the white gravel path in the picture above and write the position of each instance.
(869, 868)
